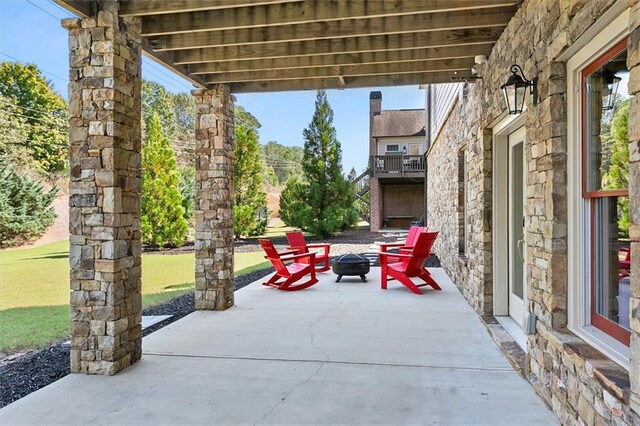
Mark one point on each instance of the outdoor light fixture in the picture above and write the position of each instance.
(610, 89)
(515, 90)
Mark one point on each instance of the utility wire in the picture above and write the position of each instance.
(26, 63)
(60, 125)
(31, 109)
(38, 7)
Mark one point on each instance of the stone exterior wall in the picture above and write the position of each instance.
(375, 220)
(214, 198)
(578, 382)
(104, 137)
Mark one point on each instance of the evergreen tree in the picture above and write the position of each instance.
(32, 98)
(292, 205)
(157, 101)
(249, 196)
(25, 207)
(326, 193)
(162, 220)
(617, 176)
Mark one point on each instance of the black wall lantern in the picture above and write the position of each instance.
(515, 90)
(611, 82)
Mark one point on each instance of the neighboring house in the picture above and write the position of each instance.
(397, 142)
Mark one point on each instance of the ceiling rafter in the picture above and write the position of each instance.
(322, 12)
(457, 64)
(344, 59)
(340, 45)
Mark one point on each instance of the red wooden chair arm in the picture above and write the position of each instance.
(297, 256)
(384, 253)
(283, 253)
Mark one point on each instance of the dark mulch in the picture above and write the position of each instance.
(36, 370)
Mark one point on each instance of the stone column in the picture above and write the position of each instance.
(214, 198)
(633, 63)
(104, 191)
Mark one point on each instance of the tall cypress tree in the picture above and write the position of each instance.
(162, 220)
(327, 196)
(249, 196)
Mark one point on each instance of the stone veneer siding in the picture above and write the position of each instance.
(214, 198)
(104, 189)
(580, 384)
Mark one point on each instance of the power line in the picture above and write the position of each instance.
(32, 109)
(42, 70)
(37, 119)
(50, 14)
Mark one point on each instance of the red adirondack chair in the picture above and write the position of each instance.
(297, 242)
(624, 259)
(287, 275)
(406, 246)
(411, 264)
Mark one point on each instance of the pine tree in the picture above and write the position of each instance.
(25, 207)
(326, 193)
(162, 219)
(249, 196)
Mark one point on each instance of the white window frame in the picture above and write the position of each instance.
(610, 31)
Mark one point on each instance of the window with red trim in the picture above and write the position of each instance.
(605, 189)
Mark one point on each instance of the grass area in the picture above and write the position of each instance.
(34, 289)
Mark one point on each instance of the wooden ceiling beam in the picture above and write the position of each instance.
(349, 82)
(457, 64)
(408, 55)
(315, 12)
(470, 18)
(353, 45)
(157, 7)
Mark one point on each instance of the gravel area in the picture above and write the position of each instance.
(31, 370)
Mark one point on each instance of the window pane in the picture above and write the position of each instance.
(607, 101)
(611, 259)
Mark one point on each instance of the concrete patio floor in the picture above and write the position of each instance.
(345, 353)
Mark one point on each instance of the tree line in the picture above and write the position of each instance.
(34, 149)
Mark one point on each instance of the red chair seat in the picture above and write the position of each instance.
(286, 276)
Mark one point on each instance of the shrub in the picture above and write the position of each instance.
(25, 207)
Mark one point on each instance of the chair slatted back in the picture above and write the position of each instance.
(420, 252)
(296, 239)
(414, 231)
(274, 257)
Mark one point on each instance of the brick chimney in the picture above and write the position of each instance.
(375, 107)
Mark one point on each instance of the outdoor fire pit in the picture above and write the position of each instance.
(350, 264)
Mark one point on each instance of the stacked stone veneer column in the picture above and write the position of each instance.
(104, 136)
(214, 198)
(633, 63)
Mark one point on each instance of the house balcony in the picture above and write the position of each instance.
(398, 166)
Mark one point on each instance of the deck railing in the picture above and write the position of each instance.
(390, 165)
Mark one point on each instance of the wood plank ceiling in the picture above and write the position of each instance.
(279, 45)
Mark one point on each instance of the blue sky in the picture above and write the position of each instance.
(30, 32)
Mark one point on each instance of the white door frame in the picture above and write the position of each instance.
(500, 211)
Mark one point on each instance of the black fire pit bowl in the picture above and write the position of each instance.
(350, 264)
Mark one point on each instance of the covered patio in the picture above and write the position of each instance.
(345, 353)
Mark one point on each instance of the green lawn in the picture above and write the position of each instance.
(34, 289)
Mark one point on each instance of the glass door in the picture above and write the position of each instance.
(517, 288)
